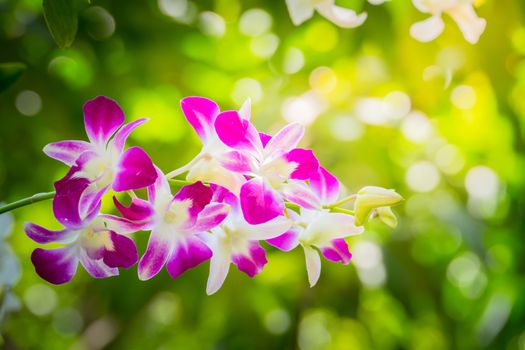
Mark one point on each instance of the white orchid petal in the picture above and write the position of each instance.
(313, 264)
(300, 10)
(340, 16)
(468, 22)
(219, 267)
(428, 29)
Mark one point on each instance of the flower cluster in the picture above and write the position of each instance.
(243, 188)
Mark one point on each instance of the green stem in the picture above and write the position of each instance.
(26, 201)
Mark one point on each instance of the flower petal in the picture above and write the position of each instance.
(265, 138)
(66, 201)
(468, 22)
(238, 162)
(121, 253)
(135, 170)
(267, 230)
(200, 113)
(306, 163)
(329, 226)
(211, 216)
(187, 255)
(259, 202)
(97, 268)
(340, 16)
(313, 264)
(299, 193)
(253, 262)
(219, 267)
(300, 10)
(211, 171)
(285, 140)
(325, 186)
(428, 29)
(122, 135)
(138, 210)
(42, 235)
(67, 151)
(157, 253)
(238, 133)
(246, 109)
(56, 266)
(102, 117)
(123, 225)
(337, 251)
(90, 200)
(287, 241)
(199, 195)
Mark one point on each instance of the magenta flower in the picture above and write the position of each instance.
(177, 224)
(236, 241)
(316, 227)
(269, 161)
(89, 240)
(201, 114)
(102, 163)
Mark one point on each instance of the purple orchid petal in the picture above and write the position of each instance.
(200, 113)
(138, 210)
(287, 241)
(285, 140)
(237, 133)
(67, 151)
(42, 235)
(102, 117)
(199, 194)
(252, 263)
(157, 253)
(238, 162)
(325, 185)
(265, 138)
(160, 187)
(307, 163)
(135, 170)
(259, 202)
(123, 252)
(97, 268)
(122, 135)
(211, 216)
(337, 251)
(123, 225)
(90, 200)
(187, 255)
(299, 193)
(66, 201)
(56, 266)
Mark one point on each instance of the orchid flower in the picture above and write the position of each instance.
(316, 227)
(461, 11)
(269, 161)
(88, 240)
(176, 223)
(102, 162)
(201, 114)
(302, 10)
(236, 241)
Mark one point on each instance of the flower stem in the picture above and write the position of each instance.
(184, 168)
(26, 201)
(343, 201)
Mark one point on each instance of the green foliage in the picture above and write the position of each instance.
(9, 73)
(62, 20)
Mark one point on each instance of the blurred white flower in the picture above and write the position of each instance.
(461, 11)
(302, 10)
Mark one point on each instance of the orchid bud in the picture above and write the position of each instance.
(372, 197)
(387, 216)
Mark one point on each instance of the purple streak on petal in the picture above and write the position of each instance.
(259, 202)
(135, 170)
(90, 200)
(238, 162)
(67, 151)
(307, 163)
(102, 117)
(252, 263)
(199, 194)
(265, 138)
(122, 135)
(187, 255)
(138, 210)
(157, 253)
(299, 193)
(161, 185)
(287, 241)
(42, 235)
(97, 268)
(211, 216)
(237, 133)
(67, 197)
(286, 139)
(223, 195)
(337, 251)
(325, 185)
(123, 225)
(123, 253)
(56, 266)
(200, 113)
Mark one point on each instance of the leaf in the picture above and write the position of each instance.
(9, 73)
(62, 20)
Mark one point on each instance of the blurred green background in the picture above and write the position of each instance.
(442, 123)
